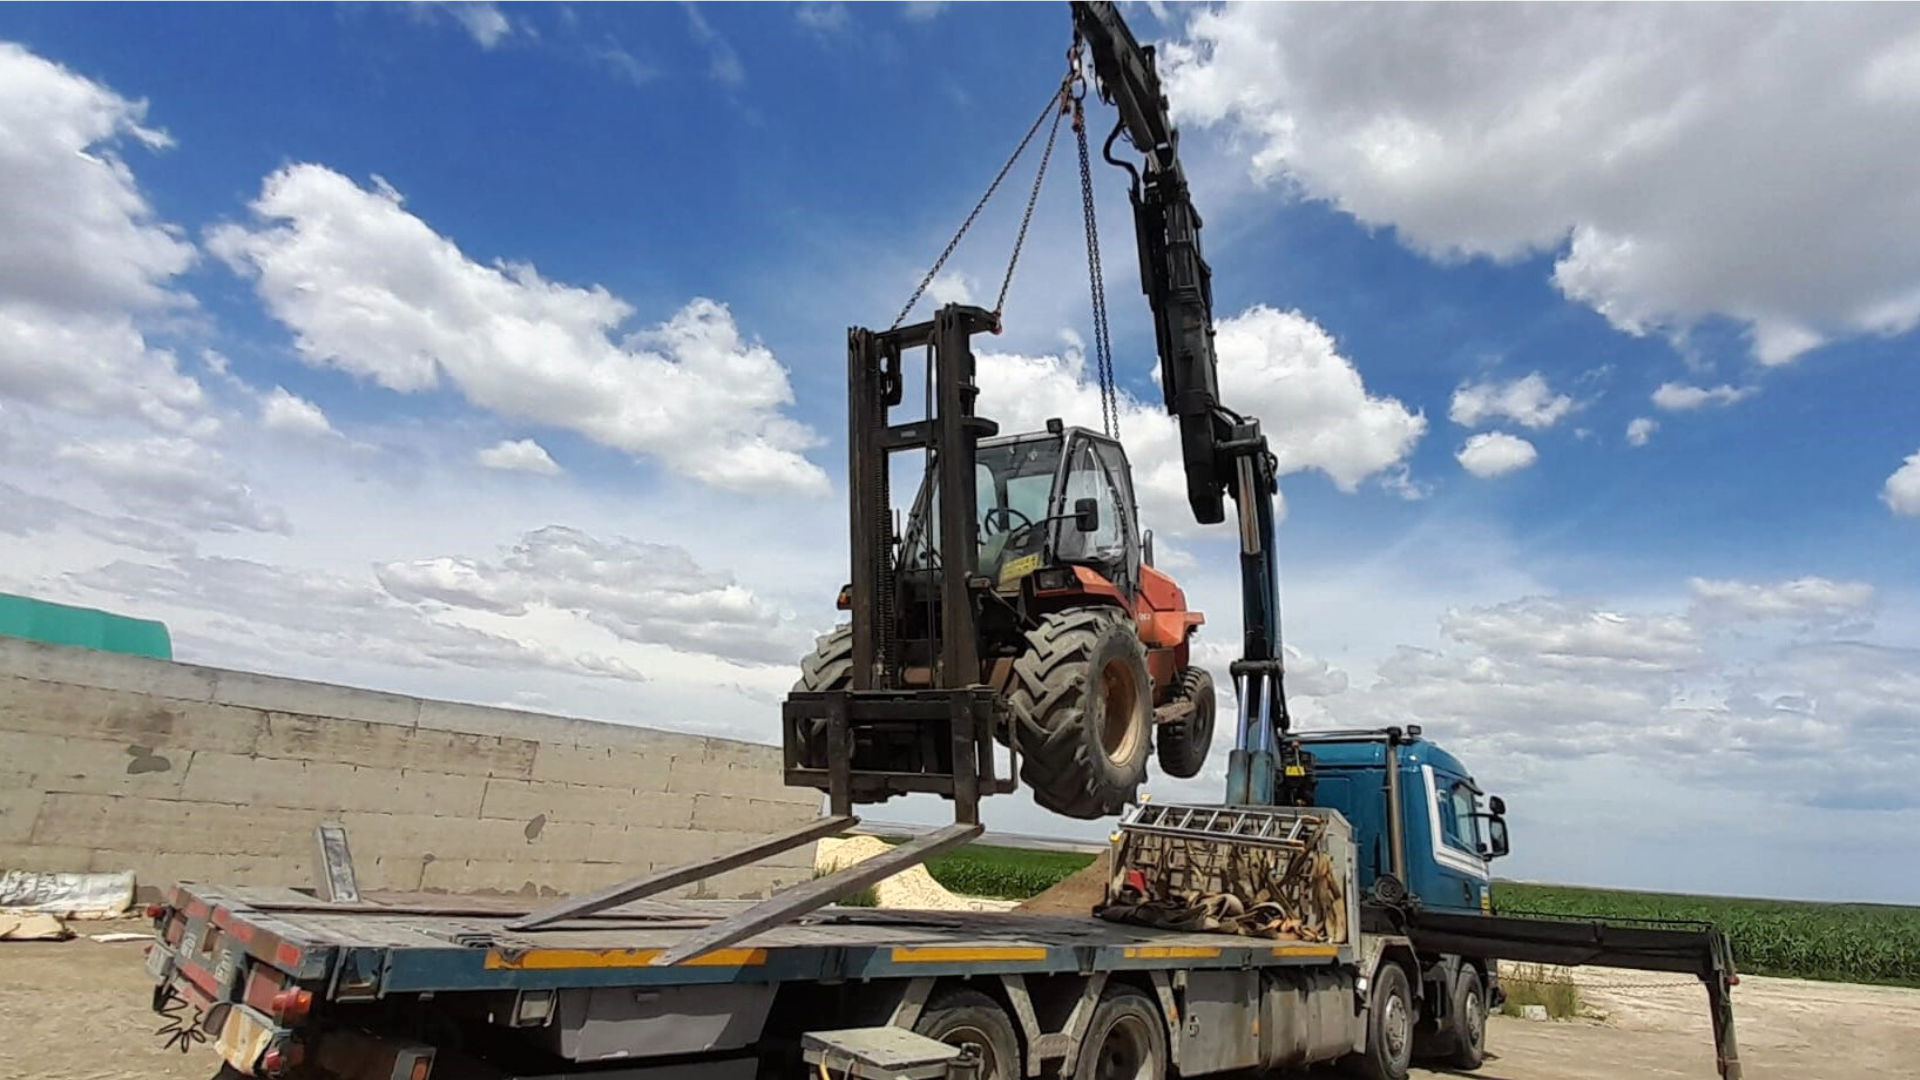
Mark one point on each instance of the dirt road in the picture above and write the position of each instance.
(78, 1010)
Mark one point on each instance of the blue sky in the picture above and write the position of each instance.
(497, 353)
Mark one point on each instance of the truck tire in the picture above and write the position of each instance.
(957, 1016)
(1183, 744)
(1126, 1038)
(1467, 1023)
(1082, 704)
(1390, 1023)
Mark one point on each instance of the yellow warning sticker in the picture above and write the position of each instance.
(1015, 569)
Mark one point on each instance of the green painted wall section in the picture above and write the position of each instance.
(87, 628)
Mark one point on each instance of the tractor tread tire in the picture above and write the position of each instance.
(1182, 744)
(830, 665)
(1061, 759)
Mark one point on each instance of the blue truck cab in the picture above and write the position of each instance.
(1423, 830)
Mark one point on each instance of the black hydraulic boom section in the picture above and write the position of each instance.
(1221, 450)
(1693, 949)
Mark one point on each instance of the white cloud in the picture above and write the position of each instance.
(1901, 492)
(649, 593)
(951, 287)
(1679, 397)
(282, 410)
(1496, 453)
(518, 455)
(922, 10)
(372, 290)
(484, 22)
(1809, 600)
(723, 64)
(173, 479)
(1526, 401)
(1640, 430)
(82, 254)
(1619, 138)
(1277, 366)
(823, 20)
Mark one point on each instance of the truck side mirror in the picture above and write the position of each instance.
(1086, 515)
(1496, 837)
(1497, 804)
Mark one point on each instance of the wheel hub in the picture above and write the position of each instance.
(1120, 730)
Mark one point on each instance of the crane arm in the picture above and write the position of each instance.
(1222, 451)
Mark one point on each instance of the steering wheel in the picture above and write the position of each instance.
(1006, 514)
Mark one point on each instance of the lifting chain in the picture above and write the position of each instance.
(1054, 106)
(1096, 279)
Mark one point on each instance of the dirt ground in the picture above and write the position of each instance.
(78, 1010)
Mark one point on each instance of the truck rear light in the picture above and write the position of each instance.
(291, 1006)
(156, 911)
(422, 1068)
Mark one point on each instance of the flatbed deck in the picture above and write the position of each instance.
(415, 943)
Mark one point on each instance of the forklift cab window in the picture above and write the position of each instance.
(1105, 546)
(1011, 485)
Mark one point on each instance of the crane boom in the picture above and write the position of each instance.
(1222, 452)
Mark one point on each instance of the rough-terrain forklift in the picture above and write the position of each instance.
(1086, 641)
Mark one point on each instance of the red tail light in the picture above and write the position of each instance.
(279, 1059)
(291, 1006)
(155, 911)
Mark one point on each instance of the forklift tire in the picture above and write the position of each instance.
(828, 667)
(1468, 1022)
(1183, 744)
(1390, 1025)
(958, 1016)
(1082, 705)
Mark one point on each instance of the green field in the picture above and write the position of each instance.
(1837, 942)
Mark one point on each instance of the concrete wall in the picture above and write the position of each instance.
(180, 772)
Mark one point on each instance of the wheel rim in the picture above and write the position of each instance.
(1396, 1030)
(1476, 1020)
(1120, 706)
(1126, 1053)
(991, 1067)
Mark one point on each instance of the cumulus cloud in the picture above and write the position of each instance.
(1551, 679)
(1640, 430)
(175, 480)
(1808, 600)
(1526, 401)
(1681, 397)
(371, 289)
(649, 593)
(1901, 492)
(83, 256)
(1496, 453)
(1278, 366)
(282, 410)
(483, 22)
(1621, 139)
(292, 612)
(518, 455)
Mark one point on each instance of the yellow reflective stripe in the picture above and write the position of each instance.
(937, 954)
(1172, 952)
(1306, 950)
(565, 959)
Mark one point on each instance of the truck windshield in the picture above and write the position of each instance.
(1013, 488)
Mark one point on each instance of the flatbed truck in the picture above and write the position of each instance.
(326, 983)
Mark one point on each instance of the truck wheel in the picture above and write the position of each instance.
(958, 1016)
(1082, 703)
(828, 667)
(1468, 1024)
(1126, 1040)
(1183, 744)
(1389, 1052)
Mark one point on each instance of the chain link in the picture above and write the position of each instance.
(1096, 283)
(999, 303)
(1053, 100)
